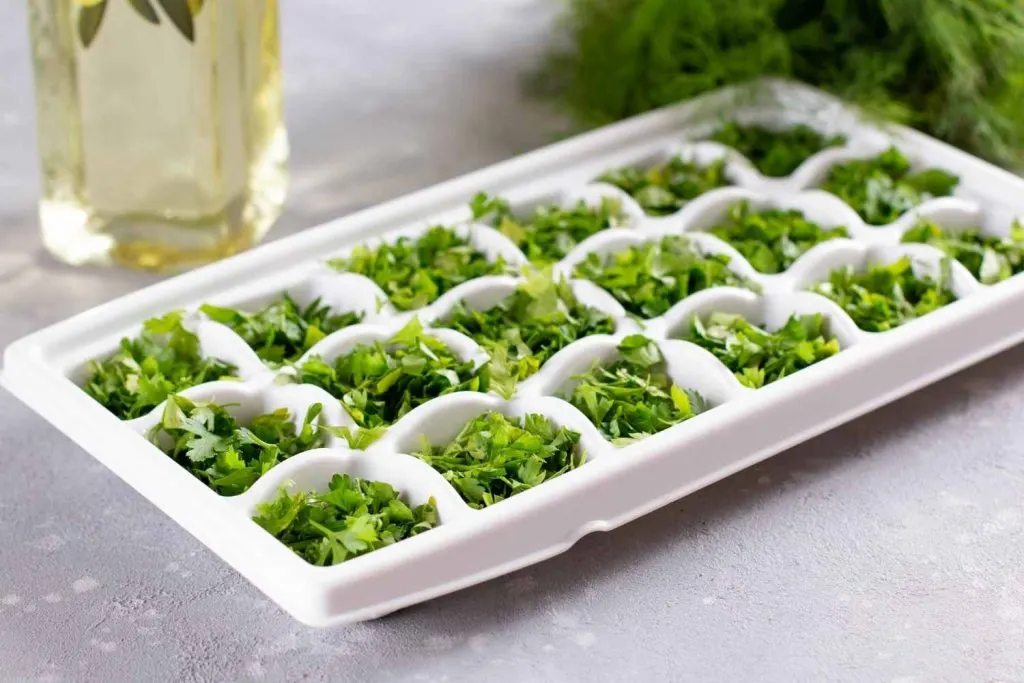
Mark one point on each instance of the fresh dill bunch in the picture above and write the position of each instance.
(952, 68)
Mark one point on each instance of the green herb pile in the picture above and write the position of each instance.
(650, 278)
(885, 296)
(882, 189)
(665, 188)
(775, 153)
(379, 383)
(415, 272)
(208, 442)
(552, 231)
(953, 68)
(163, 359)
(495, 457)
(633, 397)
(522, 331)
(772, 239)
(282, 331)
(353, 517)
(758, 357)
(990, 259)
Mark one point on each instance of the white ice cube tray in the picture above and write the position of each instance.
(615, 485)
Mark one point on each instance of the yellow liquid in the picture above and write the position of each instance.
(157, 152)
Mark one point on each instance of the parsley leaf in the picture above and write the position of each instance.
(356, 438)
(882, 189)
(775, 153)
(886, 296)
(551, 231)
(650, 278)
(353, 517)
(633, 397)
(494, 457)
(415, 272)
(771, 239)
(379, 383)
(666, 187)
(990, 259)
(281, 331)
(163, 359)
(758, 357)
(525, 329)
(207, 441)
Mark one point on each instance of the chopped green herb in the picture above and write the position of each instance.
(882, 189)
(415, 272)
(990, 259)
(379, 383)
(357, 439)
(758, 357)
(163, 359)
(207, 441)
(634, 397)
(886, 296)
(353, 517)
(281, 331)
(775, 153)
(539, 319)
(552, 231)
(772, 239)
(650, 278)
(495, 457)
(665, 188)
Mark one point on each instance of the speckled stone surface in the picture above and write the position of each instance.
(890, 550)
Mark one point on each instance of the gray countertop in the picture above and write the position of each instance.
(887, 550)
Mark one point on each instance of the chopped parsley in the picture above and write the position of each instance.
(886, 296)
(990, 259)
(650, 278)
(882, 189)
(353, 517)
(666, 187)
(163, 359)
(414, 272)
(551, 231)
(775, 153)
(282, 331)
(758, 357)
(495, 457)
(772, 239)
(207, 441)
(380, 382)
(525, 329)
(357, 438)
(634, 397)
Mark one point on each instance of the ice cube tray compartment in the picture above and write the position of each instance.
(770, 311)
(614, 484)
(244, 401)
(480, 236)
(441, 420)
(312, 470)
